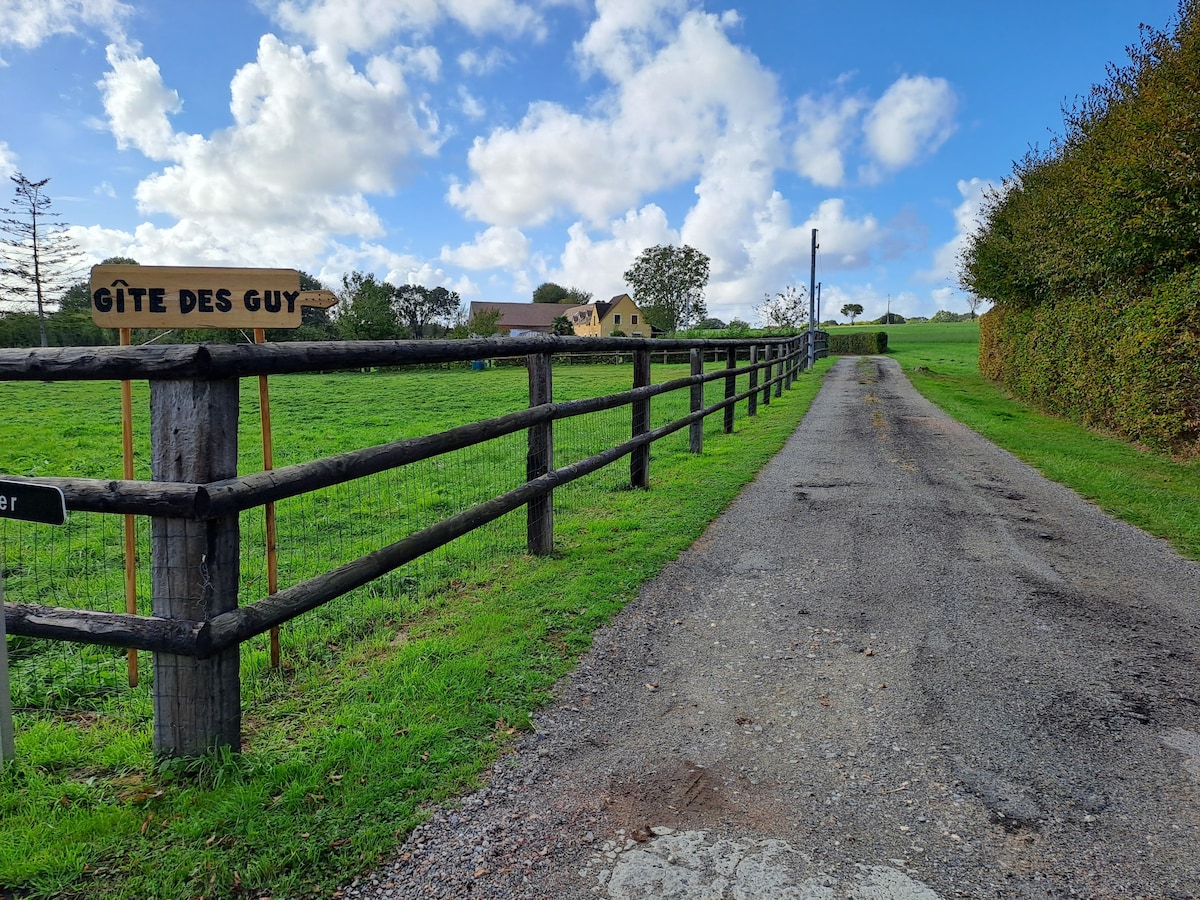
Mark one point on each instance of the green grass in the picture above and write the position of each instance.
(1157, 493)
(380, 713)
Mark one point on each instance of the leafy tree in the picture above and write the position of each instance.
(890, 319)
(562, 326)
(787, 309)
(485, 322)
(944, 315)
(668, 283)
(853, 310)
(549, 292)
(417, 306)
(39, 260)
(577, 296)
(364, 310)
(711, 324)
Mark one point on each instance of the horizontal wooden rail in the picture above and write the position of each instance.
(214, 361)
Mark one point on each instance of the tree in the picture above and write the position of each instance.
(562, 326)
(668, 283)
(973, 303)
(711, 324)
(785, 310)
(549, 292)
(852, 310)
(39, 259)
(485, 323)
(417, 306)
(577, 296)
(365, 309)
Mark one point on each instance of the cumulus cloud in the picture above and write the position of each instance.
(311, 137)
(361, 25)
(480, 62)
(27, 23)
(912, 119)
(966, 221)
(138, 104)
(497, 247)
(827, 127)
(684, 107)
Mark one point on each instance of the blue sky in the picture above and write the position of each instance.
(491, 145)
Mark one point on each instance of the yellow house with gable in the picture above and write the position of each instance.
(601, 319)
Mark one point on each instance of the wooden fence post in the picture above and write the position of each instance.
(194, 566)
(766, 389)
(539, 459)
(780, 368)
(639, 460)
(752, 400)
(696, 429)
(730, 387)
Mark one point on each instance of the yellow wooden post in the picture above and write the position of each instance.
(264, 407)
(130, 521)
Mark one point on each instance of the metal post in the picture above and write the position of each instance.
(812, 309)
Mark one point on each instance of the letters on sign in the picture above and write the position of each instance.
(125, 296)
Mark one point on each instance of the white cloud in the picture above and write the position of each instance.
(497, 247)
(597, 265)
(475, 62)
(8, 162)
(966, 221)
(471, 106)
(27, 23)
(623, 36)
(686, 107)
(827, 127)
(311, 136)
(138, 104)
(361, 25)
(912, 119)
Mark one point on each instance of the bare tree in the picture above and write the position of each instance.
(785, 310)
(39, 260)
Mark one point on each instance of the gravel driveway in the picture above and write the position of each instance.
(901, 665)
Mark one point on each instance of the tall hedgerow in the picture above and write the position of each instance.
(1090, 252)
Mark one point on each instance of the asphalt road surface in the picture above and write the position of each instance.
(901, 665)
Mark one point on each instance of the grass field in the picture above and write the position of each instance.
(398, 700)
(385, 706)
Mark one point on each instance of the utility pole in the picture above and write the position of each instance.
(812, 300)
(818, 303)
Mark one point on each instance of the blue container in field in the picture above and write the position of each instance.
(478, 365)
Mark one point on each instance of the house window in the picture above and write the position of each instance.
(616, 318)
(633, 319)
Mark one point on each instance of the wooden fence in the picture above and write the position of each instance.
(196, 494)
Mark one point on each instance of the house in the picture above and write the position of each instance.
(517, 319)
(601, 319)
(590, 320)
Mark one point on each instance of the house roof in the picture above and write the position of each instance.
(524, 315)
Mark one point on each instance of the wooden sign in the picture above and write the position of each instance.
(190, 297)
(32, 502)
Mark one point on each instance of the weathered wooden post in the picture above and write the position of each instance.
(766, 389)
(730, 387)
(696, 429)
(539, 459)
(639, 460)
(752, 400)
(780, 368)
(194, 566)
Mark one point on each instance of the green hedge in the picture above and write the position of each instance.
(858, 343)
(1127, 365)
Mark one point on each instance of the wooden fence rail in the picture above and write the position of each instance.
(198, 624)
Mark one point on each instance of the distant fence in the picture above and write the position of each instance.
(196, 494)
